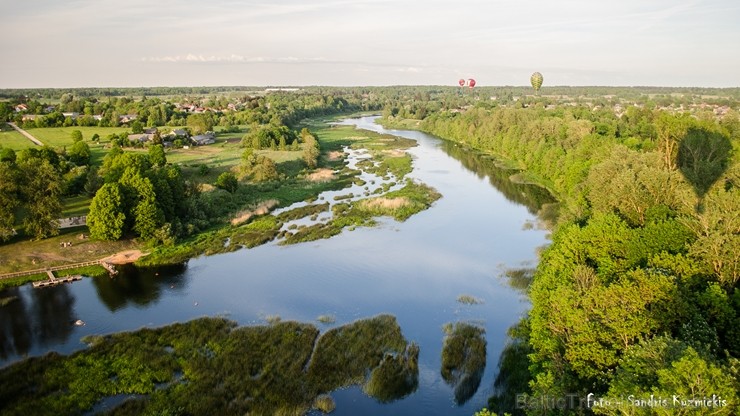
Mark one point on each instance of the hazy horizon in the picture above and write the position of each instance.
(105, 43)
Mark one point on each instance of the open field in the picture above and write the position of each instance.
(11, 139)
(28, 254)
(60, 137)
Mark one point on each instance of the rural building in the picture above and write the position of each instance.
(203, 139)
(141, 137)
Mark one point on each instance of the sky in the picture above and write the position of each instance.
(106, 43)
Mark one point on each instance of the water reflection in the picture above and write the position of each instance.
(44, 319)
(138, 286)
(414, 270)
(531, 196)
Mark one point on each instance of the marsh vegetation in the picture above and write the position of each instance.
(211, 366)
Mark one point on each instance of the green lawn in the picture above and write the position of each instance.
(76, 206)
(62, 136)
(11, 139)
(59, 137)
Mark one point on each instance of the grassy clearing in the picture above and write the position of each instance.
(463, 359)
(11, 139)
(26, 254)
(257, 232)
(76, 206)
(62, 136)
(89, 271)
(401, 204)
(209, 366)
(19, 281)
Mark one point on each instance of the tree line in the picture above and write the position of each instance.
(638, 292)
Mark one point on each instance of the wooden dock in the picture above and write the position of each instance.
(53, 280)
(112, 270)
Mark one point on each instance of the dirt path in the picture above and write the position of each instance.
(36, 141)
(124, 257)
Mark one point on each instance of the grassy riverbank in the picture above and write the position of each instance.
(210, 366)
(297, 184)
(387, 157)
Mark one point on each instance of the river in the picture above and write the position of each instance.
(414, 270)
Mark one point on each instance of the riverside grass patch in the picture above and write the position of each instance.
(211, 366)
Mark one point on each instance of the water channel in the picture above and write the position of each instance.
(415, 270)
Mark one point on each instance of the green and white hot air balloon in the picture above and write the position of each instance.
(536, 80)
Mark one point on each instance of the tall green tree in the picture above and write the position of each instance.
(9, 199)
(41, 189)
(143, 214)
(200, 123)
(76, 136)
(107, 219)
(80, 153)
(227, 181)
(311, 148)
(157, 156)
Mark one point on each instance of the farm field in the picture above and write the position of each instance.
(11, 139)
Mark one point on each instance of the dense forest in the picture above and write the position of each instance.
(638, 293)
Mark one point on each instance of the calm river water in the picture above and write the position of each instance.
(414, 270)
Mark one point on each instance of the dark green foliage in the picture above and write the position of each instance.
(665, 367)
(206, 366)
(7, 155)
(76, 136)
(227, 181)
(635, 254)
(79, 154)
(40, 189)
(311, 149)
(703, 157)
(9, 199)
(463, 359)
(258, 168)
(157, 156)
(107, 219)
(513, 375)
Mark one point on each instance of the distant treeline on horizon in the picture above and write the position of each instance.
(52, 93)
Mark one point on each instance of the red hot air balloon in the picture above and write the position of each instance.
(461, 82)
(471, 83)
